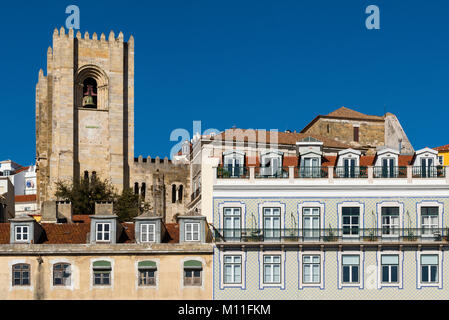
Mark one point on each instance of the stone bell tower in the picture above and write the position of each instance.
(85, 111)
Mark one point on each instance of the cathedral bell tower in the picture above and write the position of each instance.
(85, 111)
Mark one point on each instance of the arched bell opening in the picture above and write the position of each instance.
(89, 93)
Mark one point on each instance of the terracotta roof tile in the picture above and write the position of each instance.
(25, 198)
(347, 113)
(56, 233)
(173, 232)
(405, 160)
(366, 161)
(81, 218)
(4, 233)
(21, 169)
(329, 161)
(287, 138)
(442, 148)
(289, 161)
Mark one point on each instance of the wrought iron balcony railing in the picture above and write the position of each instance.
(390, 172)
(351, 172)
(233, 172)
(384, 234)
(312, 172)
(429, 172)
(269, 172)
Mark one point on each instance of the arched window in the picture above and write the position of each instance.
(136, 188)
(89, 93)
(173, 193)
(180, 190)
(61, 274)
(21, 274)
(142, 192)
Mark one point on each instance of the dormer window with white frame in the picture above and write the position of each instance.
(103, 232)
(192, 232)
(386, 165)
(425, 164)
(271, 164)
(348, 165)
(147, 232)
(233, 163)
(22, 233)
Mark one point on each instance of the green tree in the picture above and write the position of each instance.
(127, 206)
(84, 193)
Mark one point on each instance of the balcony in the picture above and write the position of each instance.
(429, 172)
(233, 172)
(339, 173)
(344, 235)
(268, 172)
(390, 172)
(351, 172)
(312, 172)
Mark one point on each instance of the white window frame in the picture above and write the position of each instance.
(311, 204)
(438, 284)
(346, 204)
(97, 232)
(400, 255)
(242, 267)
(361, 255)
(233, 204)
(111, 276)
(440, 214)
(192, 232)
(262, 283)
(22, 233)
(302, 284)
(148, 232)
(271, 204)
(401, 217)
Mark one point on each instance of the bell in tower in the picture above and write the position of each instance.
(90, 95)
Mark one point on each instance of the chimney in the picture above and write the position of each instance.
(104, 208)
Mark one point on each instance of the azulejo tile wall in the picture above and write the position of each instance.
(369, 287)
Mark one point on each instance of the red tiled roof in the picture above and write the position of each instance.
(21, 169)
(405, 160)
(329, 161)
(442, 148)
(77, 233)
(81, 218)
(25, 198)
(4, 233)
(346, 113)
(290, 161)
(286, 138)
(367, 161)
(56, 233)
(173, 231)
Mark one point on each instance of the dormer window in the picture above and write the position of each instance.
(147, 232)
(386, 165)
(348, 163)
(192, 231)
(234, 162)
(271, 163)
(425, 164)
(22, 233)
(103, 232)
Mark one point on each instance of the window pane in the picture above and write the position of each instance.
(429, 259)
(390, 259)
(350, 260)
(394, 274)
(345, 273)
(355, 274)
(434, 274)
(424, 274)
(385, 276)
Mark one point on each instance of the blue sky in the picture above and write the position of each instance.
(252, 64)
